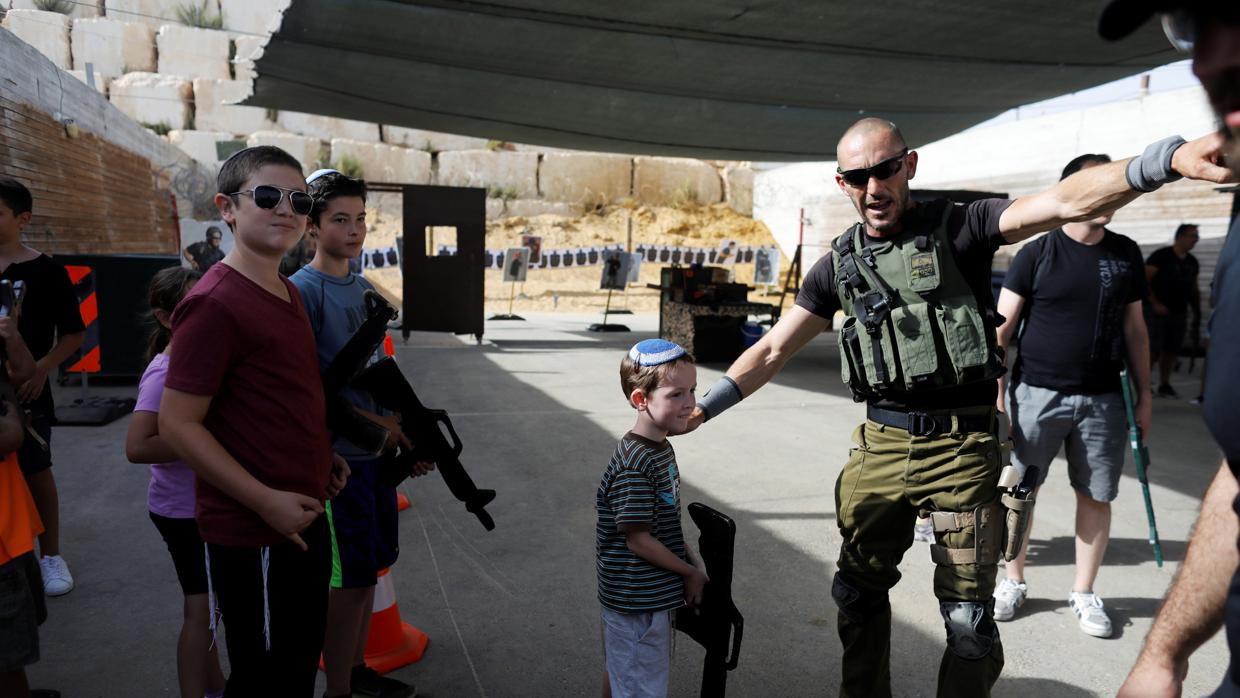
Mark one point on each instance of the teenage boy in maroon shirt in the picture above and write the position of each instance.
(243, 405)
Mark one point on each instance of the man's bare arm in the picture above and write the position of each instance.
(1011, 306)
(1098, 190)
(1193, 609)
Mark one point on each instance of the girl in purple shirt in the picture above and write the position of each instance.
(170, 496)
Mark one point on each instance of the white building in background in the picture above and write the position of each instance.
(1022, 152)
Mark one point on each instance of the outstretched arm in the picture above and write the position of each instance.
(768, 355)
(1193, 609)
(1011, 306)
(1099, 190)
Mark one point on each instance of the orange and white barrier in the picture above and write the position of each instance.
(391, 643)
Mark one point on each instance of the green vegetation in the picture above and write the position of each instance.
(349, 166)
(161, 129)
(505, 193)
(64, 7)
(195, 15)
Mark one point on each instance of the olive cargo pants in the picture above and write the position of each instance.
(890, 479)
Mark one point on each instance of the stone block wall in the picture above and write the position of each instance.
(113, 47)
(304, 148)
(326, 128)
(193, 53)
(675, 181)
(429, 140)
(252, 16)
(150, 98)
(81, 8)
(384, 163)
(153, 13)
(46, 31)
(246, 50)
(585, 178)
(203, 146)
(514, 175)
(215, 111)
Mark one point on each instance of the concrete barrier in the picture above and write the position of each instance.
(326, 128)
(203, 146)
(46, 31)
(675, 182)
(430, 140)
(512, 175)
(217, 111)
(585, 178)
(251, 16)
(495, 209)
(193, 53)
(151, 98)
(305, 149)
(739, 193)
(528, 208)
(245, 51)
(81, 8)
(153, 13)
(384, 163)
(101, 84)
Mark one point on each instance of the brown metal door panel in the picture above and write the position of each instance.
(444, 293)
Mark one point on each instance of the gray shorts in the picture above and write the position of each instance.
(22, 609)
(1092, 429)
(638, 648)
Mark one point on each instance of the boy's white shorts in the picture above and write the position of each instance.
(638, 648)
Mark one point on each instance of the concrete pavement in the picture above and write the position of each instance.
(513, 612)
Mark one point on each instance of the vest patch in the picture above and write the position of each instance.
(921, 266)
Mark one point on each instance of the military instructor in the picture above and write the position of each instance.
(918, 346)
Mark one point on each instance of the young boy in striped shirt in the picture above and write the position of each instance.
(645, 570)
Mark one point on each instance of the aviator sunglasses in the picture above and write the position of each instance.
(861, 176)
(268, 197)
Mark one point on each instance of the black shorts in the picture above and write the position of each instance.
(363, 525)
(22, 610)
(188, 553)
(32, 457)
(1166, 331)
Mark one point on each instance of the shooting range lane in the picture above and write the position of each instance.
(538, 409)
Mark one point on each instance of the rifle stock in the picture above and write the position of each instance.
(385, 382)
(716, 625)
(344, 421)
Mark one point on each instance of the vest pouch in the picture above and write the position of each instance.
(915, 339)
(869, 377)
(922, 267)
(964, 336)
(851, 365)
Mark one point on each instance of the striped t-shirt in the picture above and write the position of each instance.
(640, 487)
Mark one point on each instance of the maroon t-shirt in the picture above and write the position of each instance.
(254, 354)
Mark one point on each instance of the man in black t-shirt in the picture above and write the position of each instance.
(1072, 302)
(1172, 273)
(1206, 592)
(202, 255)
(917, 346)
(51, 325)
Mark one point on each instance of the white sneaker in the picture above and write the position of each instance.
(1009, 596)
(56, 578)
(923, 531)
(1088, 608)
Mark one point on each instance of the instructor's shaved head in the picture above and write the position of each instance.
(868, 126)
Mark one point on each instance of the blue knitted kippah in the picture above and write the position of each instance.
(652, 352)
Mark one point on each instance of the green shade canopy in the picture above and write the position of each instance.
(725, 79)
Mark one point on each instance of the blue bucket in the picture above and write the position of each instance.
(751, 332)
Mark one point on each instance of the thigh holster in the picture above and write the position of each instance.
(987, 524)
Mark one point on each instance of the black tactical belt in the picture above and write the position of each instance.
(922, 424)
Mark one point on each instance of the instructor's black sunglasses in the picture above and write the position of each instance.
(861, 176)
(268, 197)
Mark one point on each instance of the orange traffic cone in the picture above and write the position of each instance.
(389, 347)
(402, 502)
(391, 643)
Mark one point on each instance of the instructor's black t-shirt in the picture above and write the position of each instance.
(1072, 337)
(974, 231)
(49, 311)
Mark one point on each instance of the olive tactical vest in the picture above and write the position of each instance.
(913, 322)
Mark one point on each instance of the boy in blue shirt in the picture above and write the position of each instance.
(362, 518)
(645, 570)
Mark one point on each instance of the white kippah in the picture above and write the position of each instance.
(321, 173)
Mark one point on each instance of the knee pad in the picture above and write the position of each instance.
(857, 604)
(971, 632)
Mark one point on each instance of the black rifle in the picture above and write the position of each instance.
(345, 422)
(388, 386)
(716, 619)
